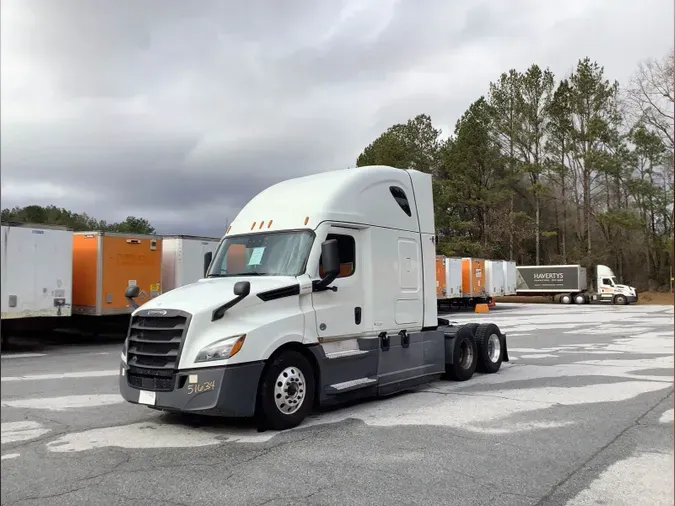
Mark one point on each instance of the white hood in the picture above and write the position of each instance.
(207, 294)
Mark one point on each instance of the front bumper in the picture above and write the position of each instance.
(228, 391)
(632, 299)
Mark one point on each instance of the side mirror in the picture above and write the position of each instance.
(242, 288)
(207, 261)
(131, 293)
(330, 259)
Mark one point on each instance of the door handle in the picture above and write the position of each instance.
(357, 315)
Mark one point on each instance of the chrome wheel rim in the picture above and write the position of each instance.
(494, 348)
(465, 355)
(289, 390)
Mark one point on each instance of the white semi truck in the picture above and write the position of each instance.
(322, 290)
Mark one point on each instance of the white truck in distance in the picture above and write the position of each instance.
(569, 283)
(322, 290)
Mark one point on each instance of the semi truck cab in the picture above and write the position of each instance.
(321, 290)
(609, 289)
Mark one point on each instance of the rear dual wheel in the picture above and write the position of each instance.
(489, 345)
(464, 356)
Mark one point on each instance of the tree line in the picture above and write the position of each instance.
(543, 170)
(52, 215)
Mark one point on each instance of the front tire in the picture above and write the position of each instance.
(621, 300)
(286, 392)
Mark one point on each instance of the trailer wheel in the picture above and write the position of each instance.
(464, 356)
(489, 346)
(580, 298)
(286, 392)
(620, 299)
(565, 299)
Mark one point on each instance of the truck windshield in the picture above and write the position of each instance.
(265, 254)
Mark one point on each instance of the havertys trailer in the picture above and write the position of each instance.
(569, 283)
(322, 290)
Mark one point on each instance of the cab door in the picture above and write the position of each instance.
(606, 288)
(341, 314)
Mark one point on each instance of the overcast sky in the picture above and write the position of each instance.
(180, 111)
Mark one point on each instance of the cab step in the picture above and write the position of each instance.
(348, 386)
(345, 354)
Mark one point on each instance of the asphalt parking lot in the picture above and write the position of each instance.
(582, 415)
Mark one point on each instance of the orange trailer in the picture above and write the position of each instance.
(440, 277)
(473, 277)
(105, 263)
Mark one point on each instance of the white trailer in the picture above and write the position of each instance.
(37, 271)
(495, 282)
(183, 259)
(510, 277)
(322, 290)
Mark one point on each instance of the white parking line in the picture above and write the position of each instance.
(12, 432)
(23, 355)
(10, 456)
(65, 403)
(64, 375)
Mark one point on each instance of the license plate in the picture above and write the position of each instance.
(145, 397)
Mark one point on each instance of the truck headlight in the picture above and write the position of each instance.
(221, 350)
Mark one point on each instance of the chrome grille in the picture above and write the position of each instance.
(155, 342)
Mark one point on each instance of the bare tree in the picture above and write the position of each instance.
(652, 96)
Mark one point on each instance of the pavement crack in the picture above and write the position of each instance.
(293, 499)
(52, 496)
(153, 499)
(478, 394)
(108, 472)
(584, 463)
(32, 442)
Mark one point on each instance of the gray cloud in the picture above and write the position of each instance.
(181, 111)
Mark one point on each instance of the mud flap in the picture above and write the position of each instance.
(505, 352)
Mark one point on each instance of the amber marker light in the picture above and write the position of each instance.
(269, 224)
(237, 346)
(306, 220)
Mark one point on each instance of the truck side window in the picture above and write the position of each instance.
(401, 199)
(347, 250)
(607, 281)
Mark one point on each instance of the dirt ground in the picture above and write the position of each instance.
(661, 298)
